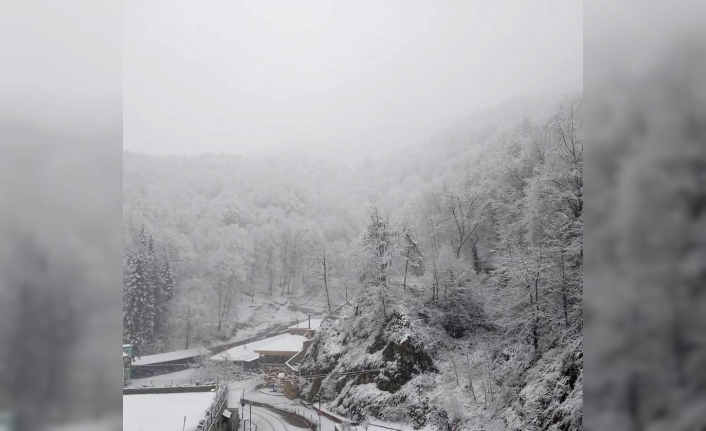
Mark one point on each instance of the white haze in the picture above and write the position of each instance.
(336, 78)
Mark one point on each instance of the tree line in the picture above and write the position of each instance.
(502, 209)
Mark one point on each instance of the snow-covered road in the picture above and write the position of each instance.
(267, 420)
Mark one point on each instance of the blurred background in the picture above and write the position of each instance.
(60, 215)
(645, 176)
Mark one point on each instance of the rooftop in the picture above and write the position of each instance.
(245, 352)
(171, 356)
(165, 412)
(284, 343)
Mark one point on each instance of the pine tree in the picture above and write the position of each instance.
(167, 280)
(142, 240)
(154, 284)
(138, 304)
(150, 248)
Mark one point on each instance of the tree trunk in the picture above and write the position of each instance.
(188, 328)
(270, 280)
(470, 379)
(406, 264)
(282, 278)
(535, 325)
(476, 261)
(220, 298)
(435, 283)
(453, 361)
(490, 375)
(328, 300)
(289, 282)
(252, 286)
(564, 295)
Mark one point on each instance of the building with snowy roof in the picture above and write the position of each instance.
(244, 357)
(280, 349)
(271, 352)
(169, 362)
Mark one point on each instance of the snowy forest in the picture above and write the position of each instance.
(471, 241)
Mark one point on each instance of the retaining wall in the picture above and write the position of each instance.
(170, 389)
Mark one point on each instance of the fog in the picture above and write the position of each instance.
(335, 78)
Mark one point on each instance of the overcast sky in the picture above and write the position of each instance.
(61, 64)
(342, 77)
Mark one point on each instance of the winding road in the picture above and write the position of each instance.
(267, 420)
(264, 419)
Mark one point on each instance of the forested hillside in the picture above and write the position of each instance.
(491, 333)
(237, 230)
(458, 265)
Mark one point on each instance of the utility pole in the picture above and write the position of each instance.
(242, 408)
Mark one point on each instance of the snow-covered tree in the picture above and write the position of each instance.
(413, 257)
(138, 304)
(167, 279)
(380, 241)
(319, 267)
(380, 244)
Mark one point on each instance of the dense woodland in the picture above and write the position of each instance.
(491, 212)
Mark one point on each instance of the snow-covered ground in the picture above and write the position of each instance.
(264, 310)
(164, 412)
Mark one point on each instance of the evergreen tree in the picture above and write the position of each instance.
(148, 286)
(142, 240)
(150, 249)
(154, 282)
(138, 304)
(167, 280)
